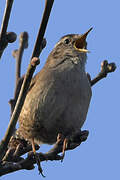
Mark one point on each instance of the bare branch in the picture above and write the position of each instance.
(17, 54)
(4, 143)
(6, 17)
(28, 163)
(12, 102)
(4, 37)
(23, 44)
(17, 148)
(105, 69)
(46, 14)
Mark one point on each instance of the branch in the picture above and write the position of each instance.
(23, 44)
(4, 143)
(28, 163)
(105, 69)
(17, 148)
(5, 37)
(46, 14)
(17, 54)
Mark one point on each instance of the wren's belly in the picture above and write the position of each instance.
(77, 109)
(45, 127)
(74, 114)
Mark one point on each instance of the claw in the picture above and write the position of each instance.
(65, 143)
(37, 159)
(59, 137)
(38, 164)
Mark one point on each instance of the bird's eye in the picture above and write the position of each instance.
(67, 41)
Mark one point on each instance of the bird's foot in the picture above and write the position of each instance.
(71, 141)
(37, 158)
(64, 141)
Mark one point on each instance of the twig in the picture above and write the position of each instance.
(46, 14)
(4, 143)
(4, 40)
(105, 69)
(6, 17)
(28, 163)
(23, 44)
(12, 102)
(17, 54)
(15, 151)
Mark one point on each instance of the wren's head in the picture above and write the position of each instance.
(70, 48)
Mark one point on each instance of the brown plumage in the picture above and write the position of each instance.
(59, 95)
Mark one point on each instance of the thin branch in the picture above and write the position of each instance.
(4, 143)
(17, 54)
(27, 164)
(105, 69)
(15, 151)
(6, 17)
(3, 32)
(46, 14)
(23, 44)
(13, 101)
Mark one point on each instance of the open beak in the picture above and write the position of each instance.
(80, 43)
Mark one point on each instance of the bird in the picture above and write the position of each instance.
(59, 95)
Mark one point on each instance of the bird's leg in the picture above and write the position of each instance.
(76, 137)
(60, 137)
(36, 155)
(65, 143)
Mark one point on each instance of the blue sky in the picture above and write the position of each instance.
(97, 158)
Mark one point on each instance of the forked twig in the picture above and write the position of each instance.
(105, 69)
